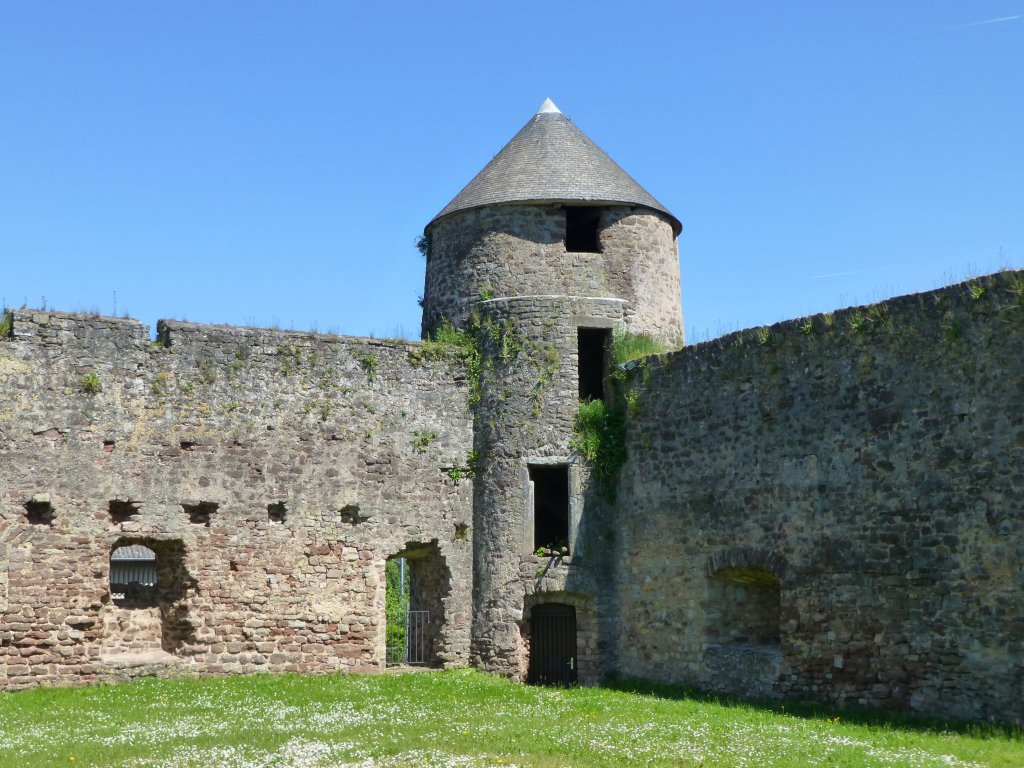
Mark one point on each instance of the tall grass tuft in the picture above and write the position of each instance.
(627, 346)
(599, 435)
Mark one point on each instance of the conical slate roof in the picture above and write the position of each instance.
(551, 160)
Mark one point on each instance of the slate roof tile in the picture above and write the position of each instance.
(551, 160)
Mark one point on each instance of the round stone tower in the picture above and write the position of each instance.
(543, 254)
(553, 215)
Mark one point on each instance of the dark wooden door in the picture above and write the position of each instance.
(552, 645)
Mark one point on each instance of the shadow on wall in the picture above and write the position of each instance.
(148, 599)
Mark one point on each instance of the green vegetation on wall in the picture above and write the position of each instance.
(422, 438)
(599, 432)
(424, 245)
(627, 346)
(457, 472)
(91, 384)
(600, 438)
(396, 604)
(468, 345)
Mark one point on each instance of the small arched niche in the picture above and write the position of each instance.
(743, 655)
(743, 607)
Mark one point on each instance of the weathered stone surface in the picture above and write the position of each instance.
(240, 451)
(504, 251)
(828, 509)
(897, 539)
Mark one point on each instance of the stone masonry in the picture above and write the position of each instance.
(870, 462)
(828, 509)
(272, 472)
(516, 250)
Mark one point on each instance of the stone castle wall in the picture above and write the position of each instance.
(828, 509)
(519, 250)
(273, 473)
(860, 477)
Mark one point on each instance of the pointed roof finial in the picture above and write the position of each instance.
(548, 107)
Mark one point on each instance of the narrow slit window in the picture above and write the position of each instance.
(582, 224)
(549, 484)
(593, 361)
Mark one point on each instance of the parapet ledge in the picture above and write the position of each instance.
(943, 312)
(78, 328)
(60, 327)
(181, 332)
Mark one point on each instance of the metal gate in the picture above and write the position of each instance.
(552, 645)
(412, 648)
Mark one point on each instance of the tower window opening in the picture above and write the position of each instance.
(582, 224)
(593, 359)
(549, 489)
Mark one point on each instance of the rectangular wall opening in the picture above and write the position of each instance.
(123, 510)
(200, 514)
(549, 484)
(147, 609)
(39, 510)
(277, 512)
(592, 345)
(582, 227)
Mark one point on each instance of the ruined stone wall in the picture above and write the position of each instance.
(870, 460)
(272, 472)
(519, 250)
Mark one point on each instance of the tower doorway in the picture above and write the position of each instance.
(552, 645)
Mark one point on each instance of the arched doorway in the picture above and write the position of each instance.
(417, 583)
(147, 608)
(553, 657)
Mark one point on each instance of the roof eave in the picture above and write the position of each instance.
(677, 226)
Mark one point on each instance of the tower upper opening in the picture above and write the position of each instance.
(551, 160)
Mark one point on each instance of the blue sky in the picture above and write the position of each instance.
(271, 163)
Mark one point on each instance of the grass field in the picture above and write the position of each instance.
(459, 718)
